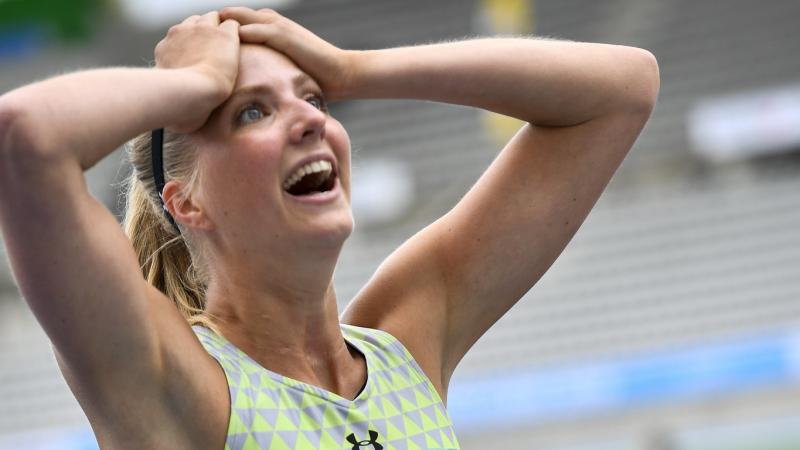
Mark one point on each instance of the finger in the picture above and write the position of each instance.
(231, 27)
(210, 17)
(268, 12)
(244, 15)
(268, 35)
(191, 19)
(257, 33)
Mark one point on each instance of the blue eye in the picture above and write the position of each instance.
(251, 114)
(317, 101)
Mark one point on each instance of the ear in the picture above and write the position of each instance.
(184, 209)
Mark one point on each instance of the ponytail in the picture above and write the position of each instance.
(165, 257)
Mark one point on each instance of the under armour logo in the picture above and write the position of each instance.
(372, 442)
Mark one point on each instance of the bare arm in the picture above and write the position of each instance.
(73, 264)
(585, 104)
(66, 250)
(81, 117)
(544, 82)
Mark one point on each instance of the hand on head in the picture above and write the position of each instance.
(204, 45)
(329, 65)
(209, 45)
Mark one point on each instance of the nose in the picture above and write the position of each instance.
(308, 123)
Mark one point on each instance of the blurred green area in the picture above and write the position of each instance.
(66, 20)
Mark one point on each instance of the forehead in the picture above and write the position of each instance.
(259, 64)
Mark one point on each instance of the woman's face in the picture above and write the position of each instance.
(275, 166)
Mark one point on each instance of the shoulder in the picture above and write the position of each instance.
(393, 346)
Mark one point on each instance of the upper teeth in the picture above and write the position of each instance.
(312, 167)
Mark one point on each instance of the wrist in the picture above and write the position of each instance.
(352, 75)
(195, 94)
(212, 86)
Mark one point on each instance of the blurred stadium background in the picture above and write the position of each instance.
(672, 320)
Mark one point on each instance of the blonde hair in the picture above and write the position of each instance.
(169, 261)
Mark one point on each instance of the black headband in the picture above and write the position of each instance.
(157, 149)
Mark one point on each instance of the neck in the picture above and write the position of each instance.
(284, 316)
(277, 320)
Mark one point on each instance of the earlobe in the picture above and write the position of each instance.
(183, 208)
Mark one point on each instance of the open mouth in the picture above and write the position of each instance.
(314, 177)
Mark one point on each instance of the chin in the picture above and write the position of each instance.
(330, 230)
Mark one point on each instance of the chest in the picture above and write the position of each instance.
(300, 417)
(397, 408)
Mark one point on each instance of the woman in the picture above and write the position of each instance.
(255, 211)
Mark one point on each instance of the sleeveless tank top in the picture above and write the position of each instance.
(397, 409)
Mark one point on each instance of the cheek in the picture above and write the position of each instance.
(244, 168)
(255, 157)
(339, 141)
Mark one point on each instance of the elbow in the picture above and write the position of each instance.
(7, 119)
(643, 82)
(652, 79)
(20, 141)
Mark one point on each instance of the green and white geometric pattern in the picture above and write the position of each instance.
(398, 409)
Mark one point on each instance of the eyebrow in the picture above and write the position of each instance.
(298, 80)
